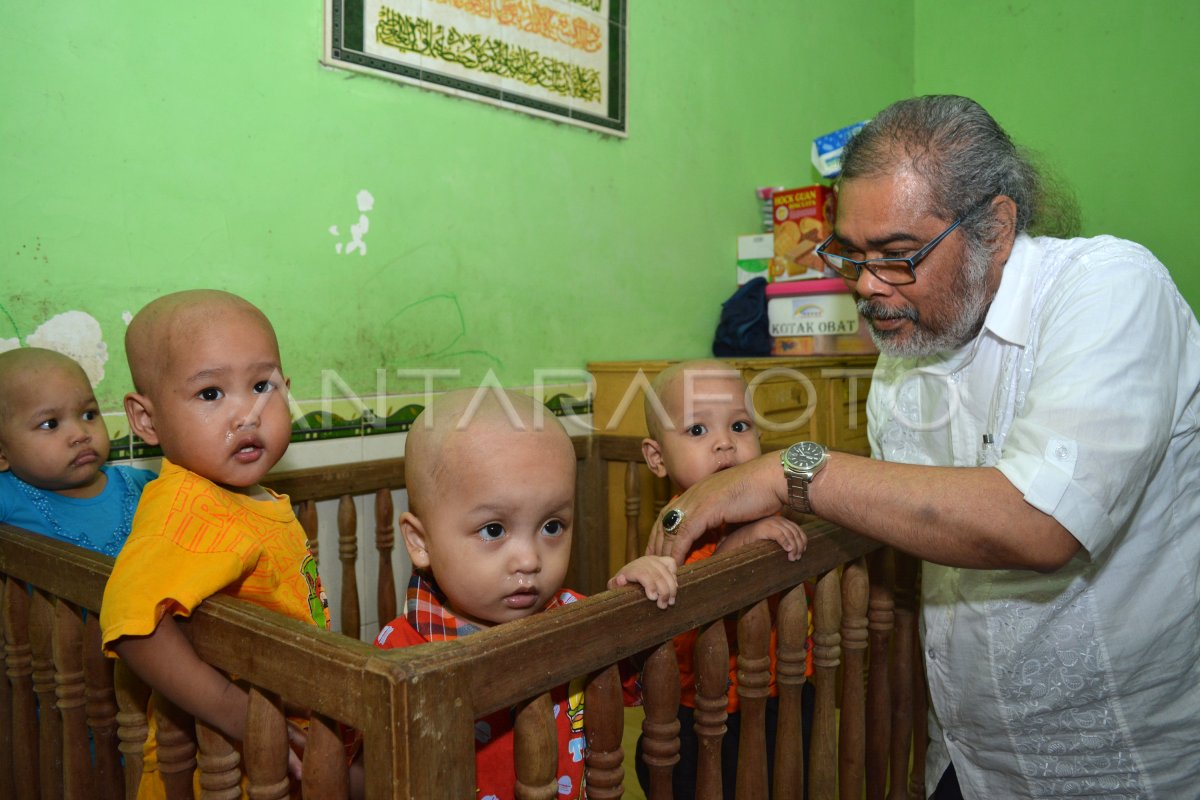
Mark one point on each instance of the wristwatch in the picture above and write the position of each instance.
(801, 463)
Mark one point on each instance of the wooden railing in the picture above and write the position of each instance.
(415, 707)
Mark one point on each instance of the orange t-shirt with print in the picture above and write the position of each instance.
(192, 539)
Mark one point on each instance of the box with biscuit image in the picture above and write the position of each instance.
(803, 219)
(816, 318)
(754, 253)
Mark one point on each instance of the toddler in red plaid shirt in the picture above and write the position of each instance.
(491, 492)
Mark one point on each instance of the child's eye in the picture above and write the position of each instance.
(491, 532)
(697, 430)
(210, 393)
(90, 415)
(741, 426)
(554, 527)
(48, 424)
(262, 387)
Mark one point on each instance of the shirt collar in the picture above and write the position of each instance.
(1008, 315)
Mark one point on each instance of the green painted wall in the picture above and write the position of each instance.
(170, 146)
(1107, 90)
(153, 147)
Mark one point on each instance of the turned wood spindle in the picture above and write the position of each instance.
(790, 666)
(827, 650)
(604, 724)
(306, 512)
(754, 681)
(712, 701)
(916, 780)
(880, 624)
(101, 711)
(176, 737)
(7, 789)
(219, 763)
(661, 491)
(348, 553)
(660, 728)
(326, 774)
(50, 730)
(633, 509)
(385, 542)
(852, 743)
(133, 700)
(18, 657)
(904, 649)
(535, 750)
(71, 696)
(266, 747)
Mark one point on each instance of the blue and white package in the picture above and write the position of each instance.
(827, 149)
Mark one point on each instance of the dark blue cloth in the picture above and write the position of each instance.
(743, 329)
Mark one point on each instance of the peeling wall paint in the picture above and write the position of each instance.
(76, 335)
(366, 203)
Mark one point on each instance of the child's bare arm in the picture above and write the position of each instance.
(655, 574)
(168, 663)
(781, 530)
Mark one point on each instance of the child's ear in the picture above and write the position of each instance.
(652, 452)
(140, 413)
(414, 540)
(4, 465)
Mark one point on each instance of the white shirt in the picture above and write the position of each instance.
(1084, 682)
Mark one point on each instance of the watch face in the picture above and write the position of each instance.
(805, 455)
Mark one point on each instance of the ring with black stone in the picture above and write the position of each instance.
(672, 520)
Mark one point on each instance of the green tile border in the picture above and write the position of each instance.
(319, 426)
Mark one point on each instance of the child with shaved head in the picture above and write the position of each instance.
(491, 488)
(210, 391)
(700, 423)
(53, 448)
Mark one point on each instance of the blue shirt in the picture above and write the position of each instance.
(99, 523)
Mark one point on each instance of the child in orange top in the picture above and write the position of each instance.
(708, 428)
(491, 489)
(209, 391)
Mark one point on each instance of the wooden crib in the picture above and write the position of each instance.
(416, 707)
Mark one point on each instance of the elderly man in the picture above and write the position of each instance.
(1033, 425)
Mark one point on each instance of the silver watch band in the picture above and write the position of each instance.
(798, 495)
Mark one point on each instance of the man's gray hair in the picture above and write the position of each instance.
(966, 158)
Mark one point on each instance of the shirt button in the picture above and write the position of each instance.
(932, 654)
(1062, 452)
(949, 736)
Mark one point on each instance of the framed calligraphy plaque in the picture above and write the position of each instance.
(559, 59)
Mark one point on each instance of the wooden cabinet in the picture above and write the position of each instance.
(817, 398)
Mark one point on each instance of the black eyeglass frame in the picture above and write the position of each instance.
(832, 260)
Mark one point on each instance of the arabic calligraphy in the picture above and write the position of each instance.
(533, 17)
(487, 54)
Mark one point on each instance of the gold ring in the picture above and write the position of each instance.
(671, 521)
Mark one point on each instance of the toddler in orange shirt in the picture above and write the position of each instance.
(210, 391)
(708, 427)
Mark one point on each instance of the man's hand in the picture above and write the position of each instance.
(743, 493)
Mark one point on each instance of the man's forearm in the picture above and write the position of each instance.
(963, 517)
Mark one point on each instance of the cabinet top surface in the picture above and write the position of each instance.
(767, 362)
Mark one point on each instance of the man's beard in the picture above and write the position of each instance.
(938, 335)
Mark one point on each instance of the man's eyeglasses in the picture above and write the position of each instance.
(894, 271)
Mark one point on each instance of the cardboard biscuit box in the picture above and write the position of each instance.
(803, 219)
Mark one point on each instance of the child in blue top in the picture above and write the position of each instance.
(53, 445)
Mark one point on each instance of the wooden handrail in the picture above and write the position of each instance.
(416, 707)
